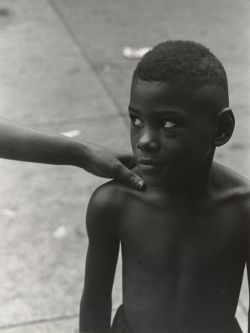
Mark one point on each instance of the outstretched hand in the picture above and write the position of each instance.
(23, 143)
(110, 163)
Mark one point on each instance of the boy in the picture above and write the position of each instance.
(185, 239)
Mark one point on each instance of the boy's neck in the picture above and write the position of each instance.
(193, 187)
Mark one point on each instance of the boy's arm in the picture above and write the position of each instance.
(18, 142)
(248, 277)
(247, 218)
(95, 309)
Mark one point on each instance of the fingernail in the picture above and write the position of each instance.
(139, 184)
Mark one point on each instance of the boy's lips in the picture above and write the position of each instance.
(149, 164)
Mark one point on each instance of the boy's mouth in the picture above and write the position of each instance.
(149, 165)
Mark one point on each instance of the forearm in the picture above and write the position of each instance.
(18, 142)
(22, 143)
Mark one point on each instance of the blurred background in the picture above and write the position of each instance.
(63, 70)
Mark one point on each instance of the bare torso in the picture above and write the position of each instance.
(183, 264)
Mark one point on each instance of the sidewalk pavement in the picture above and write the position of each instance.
(62, 70)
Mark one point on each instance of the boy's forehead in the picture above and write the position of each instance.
(164, 93)
(156, 93)
(158, 89)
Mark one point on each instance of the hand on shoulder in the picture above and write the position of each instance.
(112, 163)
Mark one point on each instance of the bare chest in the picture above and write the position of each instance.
(169, 241)
(188, 262)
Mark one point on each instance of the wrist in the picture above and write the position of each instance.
(82, 155)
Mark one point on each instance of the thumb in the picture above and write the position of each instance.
(130, 178)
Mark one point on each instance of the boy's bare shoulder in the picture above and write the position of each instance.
(112, 194)
(105, 208)
(231, 185)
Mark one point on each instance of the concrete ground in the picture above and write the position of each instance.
(62, 69)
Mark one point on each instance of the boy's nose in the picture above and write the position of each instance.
(148, 141)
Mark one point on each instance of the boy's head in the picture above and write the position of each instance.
(187, 66)
(179, 111)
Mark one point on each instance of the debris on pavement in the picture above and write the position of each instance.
(9, 212)
(60, 232)
(135, 53)
(72, 134)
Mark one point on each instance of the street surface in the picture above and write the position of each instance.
(62, 70)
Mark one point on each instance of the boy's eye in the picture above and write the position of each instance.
(168, 124)
(136, 121)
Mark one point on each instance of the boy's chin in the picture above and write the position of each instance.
(154, 181)
(160, 180)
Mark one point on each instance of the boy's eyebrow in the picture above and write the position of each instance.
(130, 108)
(170, 112)
(161, 112)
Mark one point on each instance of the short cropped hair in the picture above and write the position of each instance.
(186, 64)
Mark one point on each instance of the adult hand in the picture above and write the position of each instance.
(110, 163)
(19, 142)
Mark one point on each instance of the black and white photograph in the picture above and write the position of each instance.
(124, 166)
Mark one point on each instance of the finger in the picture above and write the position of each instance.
(128, 160)
(136, 182)
(130, 178)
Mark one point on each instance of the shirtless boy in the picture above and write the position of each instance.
(184, 240)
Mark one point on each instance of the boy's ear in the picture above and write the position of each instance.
(224, 127)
